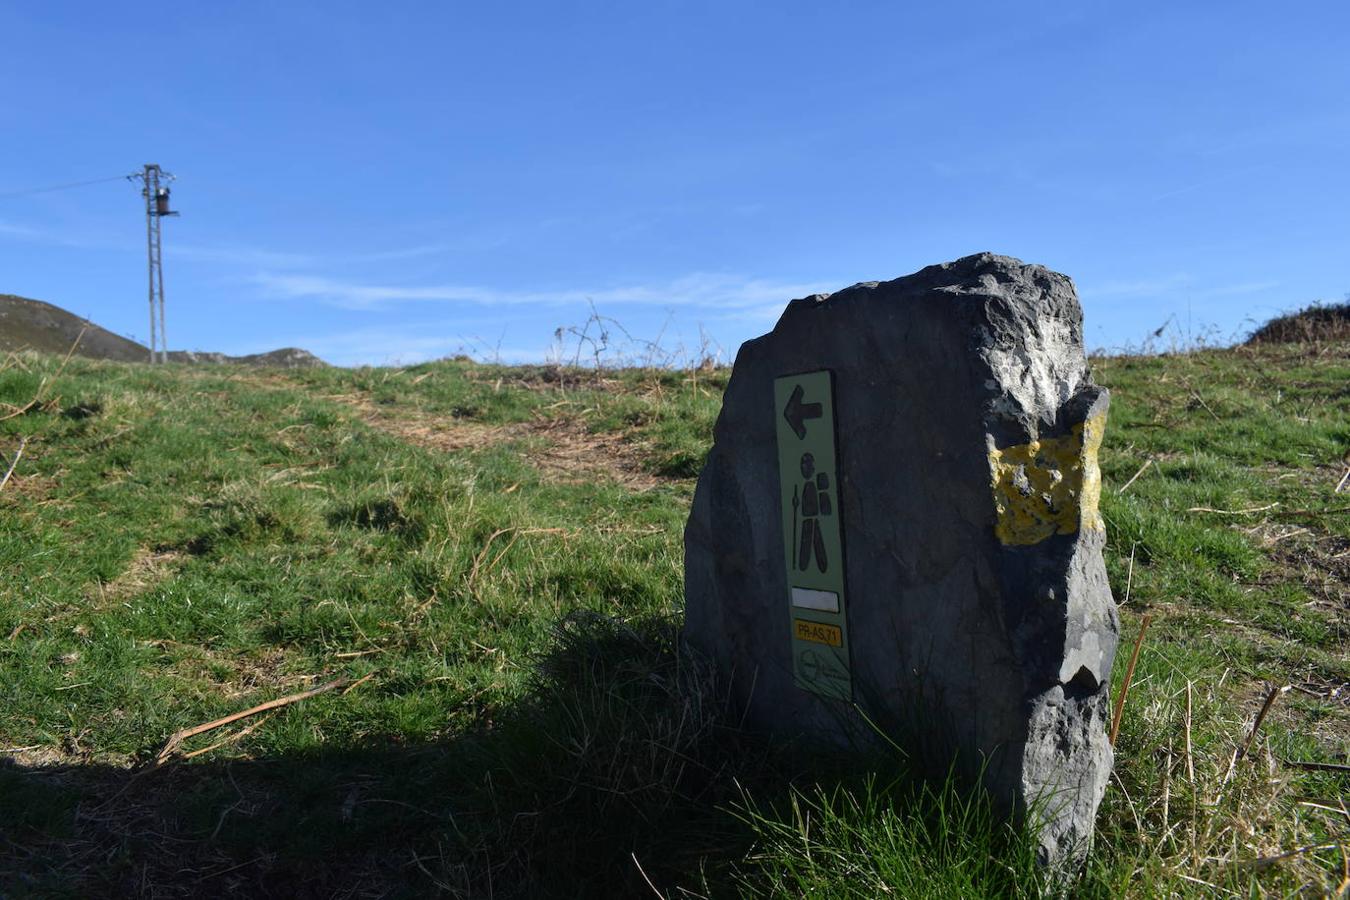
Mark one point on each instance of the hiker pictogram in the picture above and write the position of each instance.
(811, 504)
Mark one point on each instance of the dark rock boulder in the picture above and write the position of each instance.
(975, 618)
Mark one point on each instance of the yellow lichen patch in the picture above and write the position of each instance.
(1049, 486)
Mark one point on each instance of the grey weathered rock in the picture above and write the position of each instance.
(980, 624)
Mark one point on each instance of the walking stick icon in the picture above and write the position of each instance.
(794, 519)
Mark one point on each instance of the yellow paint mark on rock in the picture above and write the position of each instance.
(1049, 486)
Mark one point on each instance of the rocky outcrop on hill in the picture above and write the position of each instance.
(285, 358)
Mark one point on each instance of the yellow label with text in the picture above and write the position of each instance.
(830, 635)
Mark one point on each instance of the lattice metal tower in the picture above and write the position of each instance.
(156, 207)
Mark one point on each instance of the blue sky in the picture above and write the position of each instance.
(399, 181)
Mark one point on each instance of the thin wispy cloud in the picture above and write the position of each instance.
(701, 290)
(266, 258)
(239, 255)
(1246, 172)
(1175, 285)
(226, 254)
(763, 315)
(473, 244)
(404, 345)
(40, 235)
(1235, 290)
(1137, 288)
(22, 231)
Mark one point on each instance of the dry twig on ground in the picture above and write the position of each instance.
(1316, 766)
(1129, 675)
(1126, 486)
(16, 411)
(176, 739)
(1233, 512)
(1275, 693)
(23, 442)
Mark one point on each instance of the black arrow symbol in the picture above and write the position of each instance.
(796, 412)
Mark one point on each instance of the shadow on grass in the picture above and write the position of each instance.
(619, 750)
(619, 774)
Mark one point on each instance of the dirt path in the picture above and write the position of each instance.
(563, 451)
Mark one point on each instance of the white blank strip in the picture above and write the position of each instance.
(825, 601)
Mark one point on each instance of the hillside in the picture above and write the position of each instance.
(35, 325)
(477, 572)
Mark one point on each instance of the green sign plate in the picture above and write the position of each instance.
(813, 547)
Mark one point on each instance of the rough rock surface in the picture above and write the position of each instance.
(981, 625)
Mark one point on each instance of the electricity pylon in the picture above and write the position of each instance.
(156, 207)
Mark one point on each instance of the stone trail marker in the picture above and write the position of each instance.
(897, 528)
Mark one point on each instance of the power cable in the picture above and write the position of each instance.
(59, 187)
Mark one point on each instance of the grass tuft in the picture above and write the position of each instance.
(905, 838)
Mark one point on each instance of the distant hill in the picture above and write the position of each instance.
(34, 325)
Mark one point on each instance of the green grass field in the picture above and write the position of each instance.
(488, 560)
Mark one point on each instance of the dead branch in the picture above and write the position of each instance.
(1201, 400)
(1190, 760)
(1129, 676)
(1126, 486)
(247, 729)
(16, 411)
(1271, 697)
(23, 442)
(1233, 512)
(357, 683)
(176, 739)
(1316, 766)
(1267, 861)
(482, 554)
(42, 385)
(643, 873)
(1129, 574)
